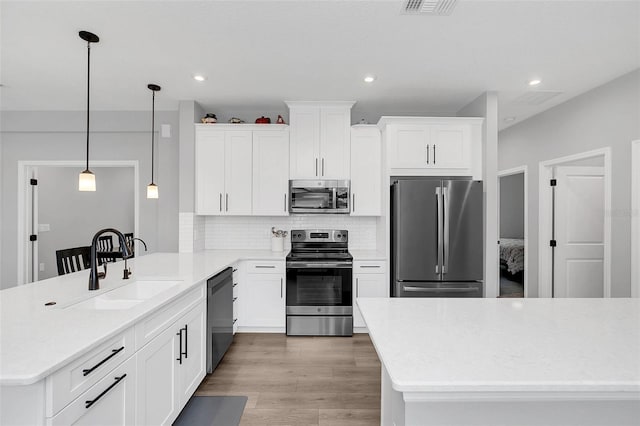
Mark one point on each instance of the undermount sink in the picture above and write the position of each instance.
(125, 297)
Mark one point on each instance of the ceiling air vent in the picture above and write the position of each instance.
(428, 7)
(535, 98)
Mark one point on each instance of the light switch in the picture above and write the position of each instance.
(44, 227)
(165, 130)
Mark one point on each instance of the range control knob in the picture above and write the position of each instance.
(339, 235)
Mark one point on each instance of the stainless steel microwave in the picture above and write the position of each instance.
(319, 196)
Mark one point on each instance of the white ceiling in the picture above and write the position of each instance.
(258, 53)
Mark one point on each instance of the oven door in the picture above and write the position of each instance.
(319, 288)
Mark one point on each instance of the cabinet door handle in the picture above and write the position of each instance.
(427, 150)
(353, 203)
(316, 167)
(323, 167)
(357, 286)
(179, 359)
(186, 342)
(221, 201)
(114, 352)
(235, 320)
(285, 202)
(235, 298)
(281, 290)
(226, 203)
(94, 400)
(434, 153)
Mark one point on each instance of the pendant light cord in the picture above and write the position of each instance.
(153, 117)
(88, 96)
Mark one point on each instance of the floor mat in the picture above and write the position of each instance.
(212, 411)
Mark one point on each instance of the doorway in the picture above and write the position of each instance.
(513, 231)
(59, 216)
(575, 231)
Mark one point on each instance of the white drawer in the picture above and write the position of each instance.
(70, 381)
(111, 401)
(156, 323)
(369, 266)
(265, 267)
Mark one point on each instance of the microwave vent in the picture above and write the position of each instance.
(428, 7)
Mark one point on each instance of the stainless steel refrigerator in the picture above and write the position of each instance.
(437, 238)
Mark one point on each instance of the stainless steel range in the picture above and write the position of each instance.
(319, 284)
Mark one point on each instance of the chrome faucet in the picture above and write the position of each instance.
(127, 271)
(94, 283)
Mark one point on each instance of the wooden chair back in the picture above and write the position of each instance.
(73, 259)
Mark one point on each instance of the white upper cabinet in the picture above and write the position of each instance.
(366, 171)
(223, 170)
(320, 133)
(271, 173)
(433, 146)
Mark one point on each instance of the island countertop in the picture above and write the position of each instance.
(506, 345)
(36, 340)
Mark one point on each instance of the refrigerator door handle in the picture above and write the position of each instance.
(445, 265)
(440, 218)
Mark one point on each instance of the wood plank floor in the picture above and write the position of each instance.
(322, 381)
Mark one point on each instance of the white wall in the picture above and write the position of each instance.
(605, 116)
(512, 206)
(121, 135)
(248, 232)
(75, 227)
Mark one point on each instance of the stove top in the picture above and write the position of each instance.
(320, 245)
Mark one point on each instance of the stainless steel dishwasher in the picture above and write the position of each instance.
(219, 317)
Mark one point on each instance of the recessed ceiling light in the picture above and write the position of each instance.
(509, 119)
(199, 77)
(369, 79)
(535, 82)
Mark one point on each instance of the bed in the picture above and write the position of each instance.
(512, 254)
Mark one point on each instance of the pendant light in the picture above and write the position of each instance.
(87, 180)
(152, 188)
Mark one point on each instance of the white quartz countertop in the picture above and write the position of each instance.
(36, 340)
(494, 345)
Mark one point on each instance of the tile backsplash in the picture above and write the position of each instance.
(251, 232)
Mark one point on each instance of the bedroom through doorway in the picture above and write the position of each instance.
(513, 236)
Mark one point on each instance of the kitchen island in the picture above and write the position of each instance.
(507, 362)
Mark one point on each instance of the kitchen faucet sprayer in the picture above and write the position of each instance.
(94, 282)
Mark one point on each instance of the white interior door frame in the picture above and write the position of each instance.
(545, 219)
(24, 195)
(510, 172)
(635, 218)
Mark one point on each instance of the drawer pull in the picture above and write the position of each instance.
(88, 371)
(234, 321)
(235, 298)
(265, 266)
(370, 266)
(94, 400)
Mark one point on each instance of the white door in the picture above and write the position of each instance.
(450, 146)
(238, 172)
(210, 162)
(366, 171)
(305, 142)
(156, 395)
(335, 124)
(579, 232)
(263, 304)
(270, 173)
(411, 147)
(192, 370)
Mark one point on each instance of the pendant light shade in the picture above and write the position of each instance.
(87, 180)
(152, 188)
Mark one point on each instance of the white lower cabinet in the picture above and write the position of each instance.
(170, 369)
(109, 402)
(369, 280)
(263, 296)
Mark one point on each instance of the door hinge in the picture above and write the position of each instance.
(553, 182)
(552, 243)
(33, 237)
(33, 182)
